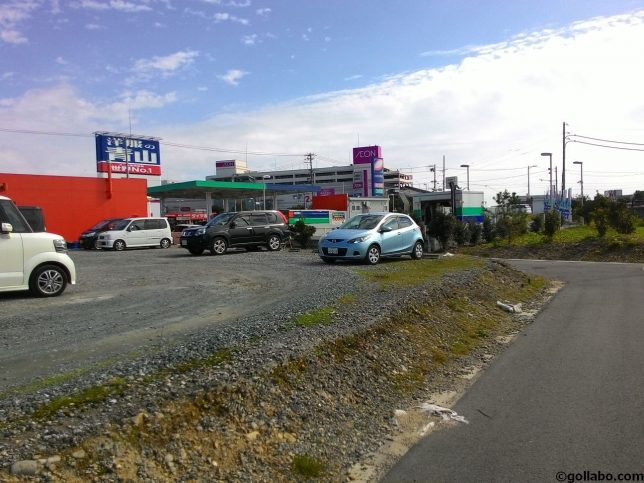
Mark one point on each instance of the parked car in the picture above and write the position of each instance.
(246, 229)
(31, 261)
(178, 229)
(371, 236)
(34, 216)
(88, 238)
(136, 232)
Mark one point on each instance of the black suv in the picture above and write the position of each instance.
(245, 229)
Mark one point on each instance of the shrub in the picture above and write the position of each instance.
(462, 233)
(475, 232)
(302, 232)
(600, 217)
(442, 227)
(552, 223)
(536, 225)
(489, 232)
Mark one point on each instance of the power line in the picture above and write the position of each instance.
(605, 140)
(604, 146)
(165, 143)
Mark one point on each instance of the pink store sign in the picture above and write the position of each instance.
(366, 154)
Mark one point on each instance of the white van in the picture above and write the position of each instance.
(136, 232)
(31, 261)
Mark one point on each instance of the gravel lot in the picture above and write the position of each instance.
(137, 302)
(280, 394)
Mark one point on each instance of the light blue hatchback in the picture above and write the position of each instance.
(371, 236)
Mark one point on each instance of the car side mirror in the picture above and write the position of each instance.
(233, 224)
(385, 229)
(6, 228)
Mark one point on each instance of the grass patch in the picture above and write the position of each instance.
(413, 272)
(320, 316)
(288, 374)
(307, 466)
(91, 395)
(214, 359)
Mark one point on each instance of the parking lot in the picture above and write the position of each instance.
(127, 303)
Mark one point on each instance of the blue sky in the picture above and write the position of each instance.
(485, 83)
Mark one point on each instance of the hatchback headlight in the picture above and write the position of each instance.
(60, 246)
(200, 231)
(359, 239)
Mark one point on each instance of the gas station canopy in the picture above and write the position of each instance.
(225, 189)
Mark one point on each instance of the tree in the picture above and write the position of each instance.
(489, 232)
(512, 220)
(302, 232)
(552, 223)
(442, 226)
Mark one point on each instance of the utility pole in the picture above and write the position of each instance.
(443, 172)
(309, 160)
(563, 162)
(433, 170)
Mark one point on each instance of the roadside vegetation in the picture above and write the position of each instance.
(602, 230)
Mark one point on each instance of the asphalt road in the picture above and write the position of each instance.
(566, 397)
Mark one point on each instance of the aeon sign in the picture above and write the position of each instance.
(366, 154)
(368, 171)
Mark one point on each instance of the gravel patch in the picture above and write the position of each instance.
(338, 413)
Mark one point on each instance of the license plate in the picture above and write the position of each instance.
(333, 251)
(184, 243)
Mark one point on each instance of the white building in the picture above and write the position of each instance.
(333, 180)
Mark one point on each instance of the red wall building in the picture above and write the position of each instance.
(71, 204)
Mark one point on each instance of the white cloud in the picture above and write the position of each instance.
(249, 39)
(233, 76)
(12, 14)
(497, 109)
(119, 5)
(93, 26)
(167, 65)
(263, 12)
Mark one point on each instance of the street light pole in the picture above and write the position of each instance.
(531, 166)
(550, 187)
(581, 182)
(467, 166)
(265, 177)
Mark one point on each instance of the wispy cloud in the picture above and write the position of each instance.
(93, 26)
(167, 65)
(353, 77)
(233, 76)
(263, 12)
(119, 5)
(12, 15)
(217, 17)
(249, 39)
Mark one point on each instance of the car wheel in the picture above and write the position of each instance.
(417, 252)
(165, 243)
(119, 245)
(274, 243)
(195, 251)
(218, 246)
(328, 260)
(373, 255)
(48, 281)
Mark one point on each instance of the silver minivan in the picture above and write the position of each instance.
(31, 261)
(136, 232)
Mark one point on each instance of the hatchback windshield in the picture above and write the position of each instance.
(362, 222)
(221, 220)
(117, 225)
(103, 224)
